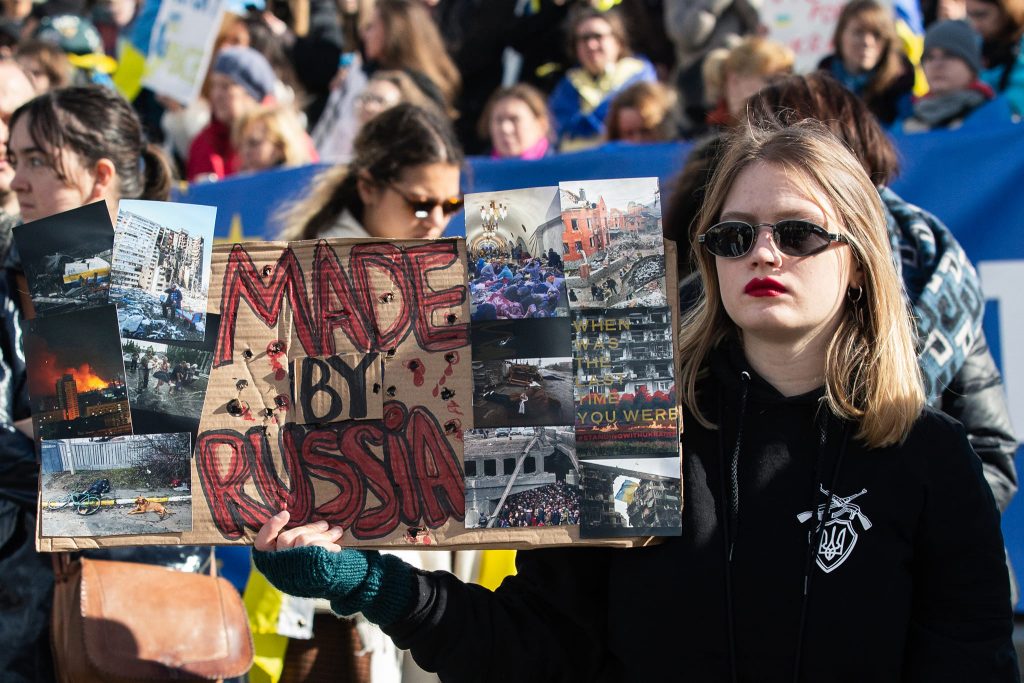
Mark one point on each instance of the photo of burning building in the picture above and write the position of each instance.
(521, 477)
(612, 245)
(66, 258)
(521, 392)
(635, 497)
(75, 375)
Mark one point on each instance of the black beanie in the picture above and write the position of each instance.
(957, 38)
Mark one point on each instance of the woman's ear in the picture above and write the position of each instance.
(368, 190)
(104, 181)
(857, 276)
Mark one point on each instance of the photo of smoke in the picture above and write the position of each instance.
(521, 477)
(160, 271)
(76, 379)
(612, 243)
(66, 258)
(631, 497)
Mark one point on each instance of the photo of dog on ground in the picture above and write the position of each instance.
(142, 506)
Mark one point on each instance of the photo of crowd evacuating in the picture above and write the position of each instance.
(612, 244)
(521, 477)
(522, 392)
(514, 247)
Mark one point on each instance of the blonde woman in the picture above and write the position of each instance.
(835, 529)
(271, 136)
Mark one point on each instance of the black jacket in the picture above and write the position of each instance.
(909, 583)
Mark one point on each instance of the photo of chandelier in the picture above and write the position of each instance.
(491, 216)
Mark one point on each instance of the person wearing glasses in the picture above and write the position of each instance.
(580, 101)
(402, 182)
(835, 528)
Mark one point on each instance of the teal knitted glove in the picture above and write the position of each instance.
(379, 586)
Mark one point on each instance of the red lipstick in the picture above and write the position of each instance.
(764, 286)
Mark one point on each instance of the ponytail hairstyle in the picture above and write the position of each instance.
(398, 138)
(95, 123)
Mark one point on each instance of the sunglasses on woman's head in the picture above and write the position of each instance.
(421, 208)
(793, 237)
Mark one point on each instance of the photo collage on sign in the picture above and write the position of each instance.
(626, 421)
(114, 486)
(520, 459)
(103, 364)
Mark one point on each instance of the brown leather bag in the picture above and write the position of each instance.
(128, 622)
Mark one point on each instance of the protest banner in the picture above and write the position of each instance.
(181, 47)
(805, 26)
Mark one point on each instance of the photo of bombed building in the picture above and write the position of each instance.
(624, 379)
(522, 392)
(612, 244)
(521, 476)
(149, 260)
(630, 497)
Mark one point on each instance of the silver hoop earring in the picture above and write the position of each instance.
(855, 294)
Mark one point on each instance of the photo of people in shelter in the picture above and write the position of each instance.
(106, 486)
(76, 377)
(612, 244)
(166, 378)
(522, 392)
(521, 477)
(624, 379)
(160, 273)
(505, 339)
(631, 497)
(66, 258)
(514, 247)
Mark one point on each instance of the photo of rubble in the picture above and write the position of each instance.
(514, 247)
(521, 477)
(116, 486)
(624, 380)
(166, 378)
(612, 245)
(505, 339)
(160, 269)
(76, 377)
(66, 258)
(522, 392)
(631, 497)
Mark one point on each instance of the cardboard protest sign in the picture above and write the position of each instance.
(66, 258)
(160, 276)
(343, 386)
(181, 47)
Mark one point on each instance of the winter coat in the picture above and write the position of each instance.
(907, 581)
(1005, 74)
(887, 105)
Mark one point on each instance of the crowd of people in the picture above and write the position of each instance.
(548, 505)
(515, 286)
(394, 93)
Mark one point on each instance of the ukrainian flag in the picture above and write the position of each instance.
(626, 491)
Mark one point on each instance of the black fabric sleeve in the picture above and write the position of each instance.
(961, 626)
(18, 468)
(546, 623)
(976, 398)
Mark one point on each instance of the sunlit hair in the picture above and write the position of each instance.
(653, 101)
(413, 41)
(283, 129)
(397, 139)
(51, 58)
(871, 370)
(757, 56)
(533, 98)
(878, 19)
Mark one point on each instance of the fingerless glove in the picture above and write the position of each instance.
(379, 586)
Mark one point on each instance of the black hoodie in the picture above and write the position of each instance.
(909, 582)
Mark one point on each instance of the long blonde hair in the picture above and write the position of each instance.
(871, 370)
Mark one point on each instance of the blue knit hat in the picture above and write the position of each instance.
(248, 68)
(958, 39)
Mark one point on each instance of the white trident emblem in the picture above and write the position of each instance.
(838, 537)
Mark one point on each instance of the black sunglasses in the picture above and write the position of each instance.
(421, 208)
(794, 237)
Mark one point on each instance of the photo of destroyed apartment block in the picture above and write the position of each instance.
(521, 477)
(635, 497)
(521, 392)
(624, 379)
(160, 271)
(612, 245)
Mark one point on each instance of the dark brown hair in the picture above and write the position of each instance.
(95, 123)
(53, 60)
(653, 101)
(412, 41)
(879, 19)
(398, 138)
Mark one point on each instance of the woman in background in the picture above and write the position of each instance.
(271, 137)
(1001, 26)
(517, 123)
